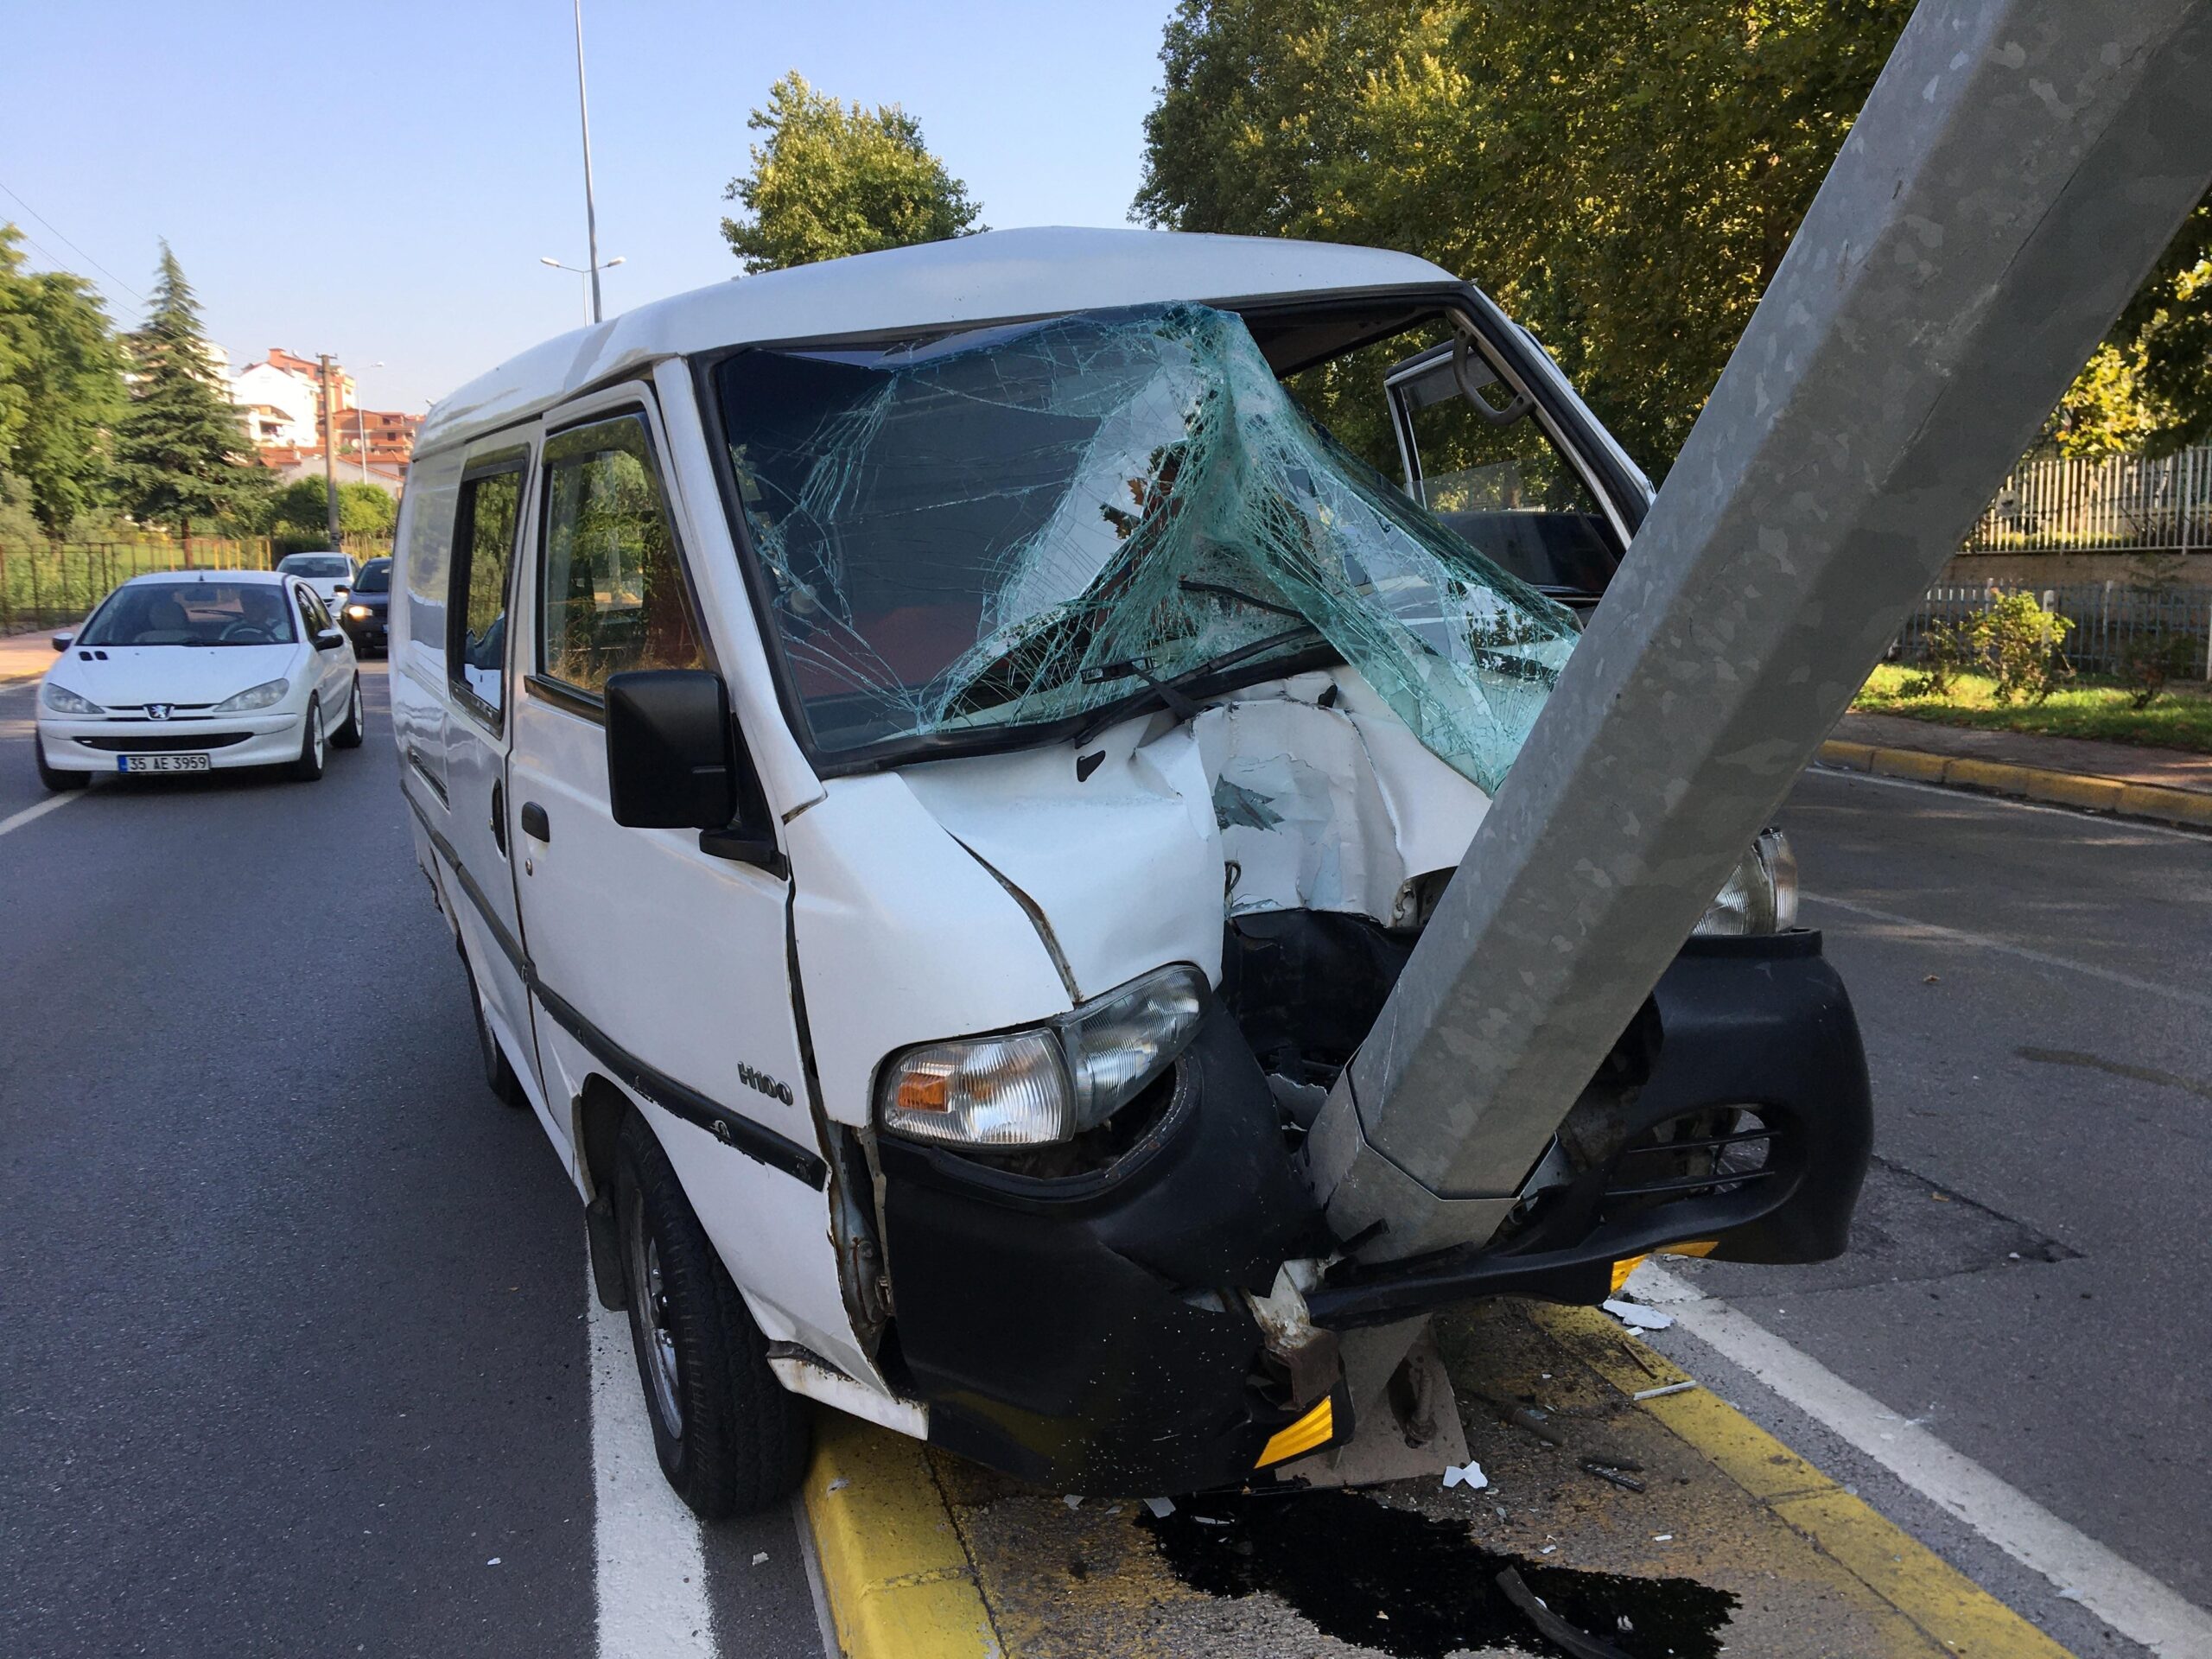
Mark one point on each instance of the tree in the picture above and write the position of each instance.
(303, 505)
(832, 178)
(72, 381)
(180, 448)
(15, 339)
(1624, 178)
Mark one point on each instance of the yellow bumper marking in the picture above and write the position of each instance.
(1317, 1427)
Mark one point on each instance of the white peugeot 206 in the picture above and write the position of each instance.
(195, 672)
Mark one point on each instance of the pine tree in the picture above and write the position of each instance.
(180, 451)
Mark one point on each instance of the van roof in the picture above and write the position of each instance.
(986, 277)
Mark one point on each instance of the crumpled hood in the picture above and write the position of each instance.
(132, 675)
(1121, 870)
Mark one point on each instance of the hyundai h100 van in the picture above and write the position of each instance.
(933, 763)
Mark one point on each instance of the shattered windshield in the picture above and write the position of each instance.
(1017, 525)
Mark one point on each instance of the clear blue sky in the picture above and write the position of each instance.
(379, 182)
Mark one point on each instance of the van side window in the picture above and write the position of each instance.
(484, 545)
(612, 597)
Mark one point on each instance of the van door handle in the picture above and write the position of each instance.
(535, 822)
(499, 821)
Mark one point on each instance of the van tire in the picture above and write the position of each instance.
(308, 768)
(349, 735)
(498, 1071)
(738, 1441)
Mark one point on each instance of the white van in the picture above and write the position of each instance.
(934, 760)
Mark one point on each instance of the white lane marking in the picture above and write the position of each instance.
(2123, 1595)
(652, 1570)
(53, 803)
(2012, 802)
(1983, 941)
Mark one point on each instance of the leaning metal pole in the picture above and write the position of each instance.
(2018, 166)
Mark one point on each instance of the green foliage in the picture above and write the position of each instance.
(180, 451)
(2180, 719)
(1624, 178)
(2152, 658)
(60, 391)
(2012, 640)
(303, 505)
(832, 178)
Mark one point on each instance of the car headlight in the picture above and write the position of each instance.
(62, 700)
(359, 613)
(1760, 895)
(1032, 1087)
(253, 697)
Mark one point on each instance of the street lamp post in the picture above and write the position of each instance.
(591, 213)
(361, 433)
(591, 292)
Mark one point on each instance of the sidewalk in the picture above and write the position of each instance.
(2166, 786)
(26, 656)
(2128, 762)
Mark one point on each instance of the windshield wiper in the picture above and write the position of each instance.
(1168, 693)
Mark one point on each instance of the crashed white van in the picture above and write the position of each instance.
(933, 761)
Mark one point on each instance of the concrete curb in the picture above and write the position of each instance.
(2092, 794)
(903, 1581)
(896, 1570)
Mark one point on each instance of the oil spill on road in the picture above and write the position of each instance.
(1404, 1584)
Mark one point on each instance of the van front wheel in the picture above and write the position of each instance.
(731, 1440)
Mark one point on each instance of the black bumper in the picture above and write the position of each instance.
(370, 635)
(1085, 1333)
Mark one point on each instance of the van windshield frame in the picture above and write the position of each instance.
(1296, 332)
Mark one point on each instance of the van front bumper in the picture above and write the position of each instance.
(1087, 1333)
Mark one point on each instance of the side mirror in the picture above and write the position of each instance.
(328, 640)
(63, 641)
(669, 760)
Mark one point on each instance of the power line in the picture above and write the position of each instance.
(81, 254)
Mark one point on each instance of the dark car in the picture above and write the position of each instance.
(362, 615)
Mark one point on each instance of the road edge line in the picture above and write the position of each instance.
(899, 1581)
(1953, 1611)
(2083, 790)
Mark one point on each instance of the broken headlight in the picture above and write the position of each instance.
(1030, 1087)
(1760, 895)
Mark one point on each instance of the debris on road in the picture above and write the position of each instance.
(1655, 1394)
(1638, 1318)
(1608, 1472)
(760, 1557)
(1073, 1500)
(1469, 1473)
(1580, 1643)
(1161, 1508)
(1529, 1418)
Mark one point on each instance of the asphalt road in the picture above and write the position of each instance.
(297, 1342)
(2028, 1269)
(295, 1314)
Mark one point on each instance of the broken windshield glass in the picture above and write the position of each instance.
(1016, 525)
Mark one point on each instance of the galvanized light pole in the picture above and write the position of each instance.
(2017, 169)
(591, 296)
(591, 212)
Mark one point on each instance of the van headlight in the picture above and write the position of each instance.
(1760, 895)
(62, 700)
(1034, 1087)
(254, 696)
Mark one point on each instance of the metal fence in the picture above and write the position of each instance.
(2107, 616)
(44, 586)
(2122, 504)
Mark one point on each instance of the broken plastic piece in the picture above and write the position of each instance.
(1161, 1508)
(1638, 1318)
(1073, 1500)
(1024, 523)
(1469, 1474)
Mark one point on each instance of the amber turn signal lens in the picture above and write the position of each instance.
(923, 1095)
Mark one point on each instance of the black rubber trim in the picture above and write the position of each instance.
(755, 1140)
(734, 1129)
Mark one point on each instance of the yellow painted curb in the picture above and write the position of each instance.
(1946, 1606)
(898, 1576)
(2075, 789)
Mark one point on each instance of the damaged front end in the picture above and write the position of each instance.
(1218, 709)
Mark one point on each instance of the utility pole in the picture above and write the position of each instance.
(591, 214)
(329, 447)
(2019, 166)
